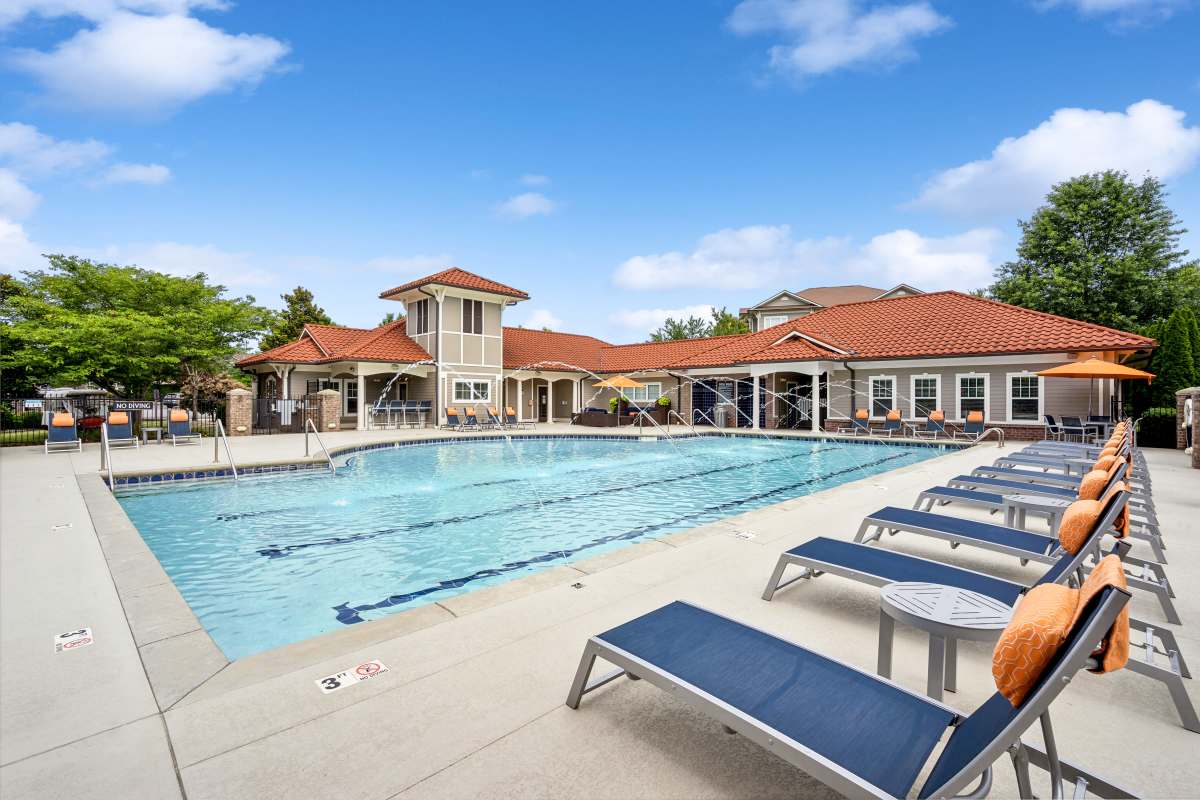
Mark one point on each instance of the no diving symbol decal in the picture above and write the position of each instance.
(368, 669)
(73, 640)
(349, 677)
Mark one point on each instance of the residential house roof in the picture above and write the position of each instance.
(837, 295)
(323, 344)
(461, 279)
(524, 347)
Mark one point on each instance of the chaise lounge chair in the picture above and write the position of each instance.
(859, 424)
(179, 426)
(891, 424)
(62, 435)
(856, 733)
(453, 419)
(511, 421)
(119, 430)
(973, 426)
(935, 426)
(470, 422)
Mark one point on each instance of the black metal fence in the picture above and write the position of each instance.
(277, 415)
(23, 421)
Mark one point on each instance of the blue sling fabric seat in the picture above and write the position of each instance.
(1015, 487)
(957, 529)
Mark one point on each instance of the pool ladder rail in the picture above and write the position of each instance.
(308, 423)
(106, 455)
(220, 438)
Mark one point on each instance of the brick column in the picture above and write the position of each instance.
(1180, 396)
(239, 410)
(328, 413)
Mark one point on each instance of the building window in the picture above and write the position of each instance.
(645, 394)
(1024, 397)
(925, 395)
(972, 395)
(418, 317)
(472, 321)
(883, 395)
(472, 391)
(771, 320)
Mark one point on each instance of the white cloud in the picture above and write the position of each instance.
(13, 11)
(525, 205)
(151, 174)
(541, 318)
(16, 251)
(147, 63)
(1149, 137)
(767, 257)
(646, 320)
(228, 268)
(412, 266)
(533, 179)
(29, 151)
(1124, 10)
(827, 35)
(16, 199)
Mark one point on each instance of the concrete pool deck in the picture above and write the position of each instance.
(472, 704)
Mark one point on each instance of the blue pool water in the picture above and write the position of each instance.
(273, 560)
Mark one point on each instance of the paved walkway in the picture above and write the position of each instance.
(473, 703)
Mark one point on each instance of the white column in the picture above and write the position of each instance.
(754, 402)
(362, 393)
(575, 397)
(815, 408)
(549, 400)
(520, 399)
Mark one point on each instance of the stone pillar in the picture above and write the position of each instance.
(327, 415)
(1180, 397)
(239, 412)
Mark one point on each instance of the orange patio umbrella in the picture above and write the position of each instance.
(1093, 368)
(620, 382)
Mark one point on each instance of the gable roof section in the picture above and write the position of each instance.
(459, 278)
(323, 344)
(524, 347)
(783, 295)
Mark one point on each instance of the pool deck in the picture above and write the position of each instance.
(472, 704)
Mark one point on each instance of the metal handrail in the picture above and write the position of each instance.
(999, 438)
(673, 413)
(308, 423)
(105, 454)
(218, 438)
(711, 421)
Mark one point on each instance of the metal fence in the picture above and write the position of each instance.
(277, 415)
(23, 421)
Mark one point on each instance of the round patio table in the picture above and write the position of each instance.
(947, 614)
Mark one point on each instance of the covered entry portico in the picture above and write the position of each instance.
(543, 395)
(362, 384)
(796, 393)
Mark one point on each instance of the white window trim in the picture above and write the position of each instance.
(632, 399)
(912, 391)
(871, 393)
(987, 394)
(1008, 397)
(765, 324)
(471, 382)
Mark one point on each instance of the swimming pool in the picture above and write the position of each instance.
(269, 561)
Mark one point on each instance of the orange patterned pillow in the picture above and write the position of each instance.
(1114, 648)
(1077, 523)
(1093, 484)
(936, 416)
(893, 415)
(861, 414)
(1038, 627)
(178, 415)
(974, 416)
(1110, 450)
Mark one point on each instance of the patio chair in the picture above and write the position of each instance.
(891, 424)
(935, 426)
(1079, 522)
(470, 421)
(453, 420)
(973, 426)
(179, 426)
(1158, 657)
(860, 735)
(1072, 426)
(494, 419)
(424, 410)
(119, 429)
(1053, 431)
(511, 421)
(859, 424)
(62, 435)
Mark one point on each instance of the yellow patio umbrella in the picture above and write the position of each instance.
(1093, 368)
(620, 382)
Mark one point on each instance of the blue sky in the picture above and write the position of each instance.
(618, 161)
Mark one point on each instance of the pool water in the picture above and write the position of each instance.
(273, 560)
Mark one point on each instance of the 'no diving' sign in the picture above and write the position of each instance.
(73, 640)
(349, 677)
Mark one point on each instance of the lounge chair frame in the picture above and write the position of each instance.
(66, 445)
(977, 772)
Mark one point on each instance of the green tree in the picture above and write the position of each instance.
(1103, 249)
(15, 379)
(725, 323)
(388, 318)
(690, 328)
(1193, 328)
(299, 310)
(125, 329)
(1174, 365)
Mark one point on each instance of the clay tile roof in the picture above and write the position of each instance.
(524, 347)
(460, 278)
(388, 342)
(323, 344)
(837, 295)
(332, 338)
(657, 355)
(299, 352)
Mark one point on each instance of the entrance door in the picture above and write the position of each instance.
(543, 404)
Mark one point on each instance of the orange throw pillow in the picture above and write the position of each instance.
(62, 419)
(178, 415)
(1077, 523)
(1114, 648)
(1038, 627)
(893, 415)
(936, 416)
(118, 418)
(861, 414)
(975, 416)
(1108, 451)
(1093, 484)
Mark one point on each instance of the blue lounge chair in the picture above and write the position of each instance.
(891, 424)
(935, 426)
(470, 422)
(861, 423)
(119, 430)
(1159, 658)
(972, 427)
(454, 420)
(511, 421)
(179, 426)
(62, 435)
(860, 735)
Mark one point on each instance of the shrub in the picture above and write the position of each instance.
(1157, 428)
(612, 404)
(664, 401)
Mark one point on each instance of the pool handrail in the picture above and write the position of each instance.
(106, 455)
(219, 437)
(673, 413)
(308, 423)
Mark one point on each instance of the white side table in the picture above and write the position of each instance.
(947, 614)
(1018, 506)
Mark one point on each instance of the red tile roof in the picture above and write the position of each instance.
(657, 355)
(323, 344)
(460, 278)
(524, 347)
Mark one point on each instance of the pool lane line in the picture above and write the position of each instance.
(350, 615)
(282, 551)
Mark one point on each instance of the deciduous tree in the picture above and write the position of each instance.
(299, 309)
